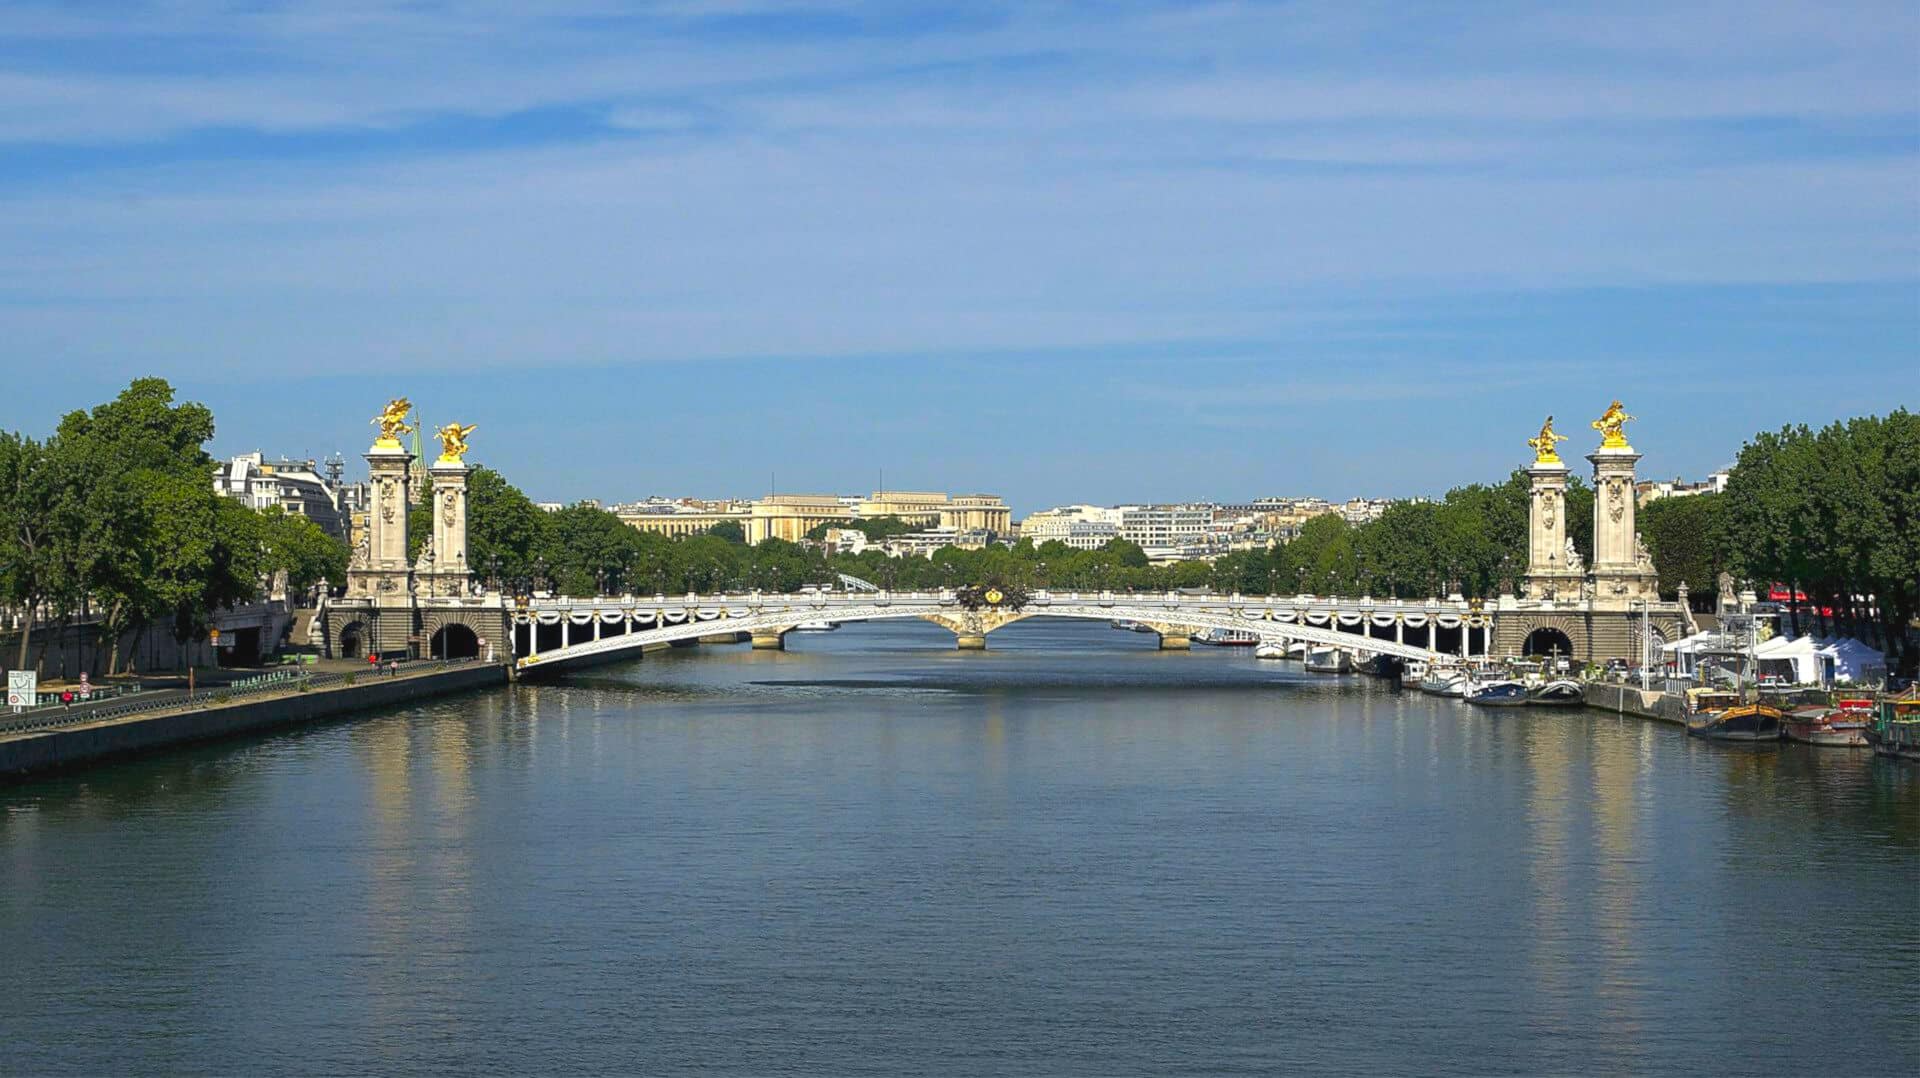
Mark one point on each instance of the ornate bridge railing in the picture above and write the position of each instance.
(1357, 625)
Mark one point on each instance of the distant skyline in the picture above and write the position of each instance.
(1058, 253)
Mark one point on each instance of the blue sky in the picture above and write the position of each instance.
(1059, 252)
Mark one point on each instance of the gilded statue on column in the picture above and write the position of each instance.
(453, 441)
(392, 422)
(1612, 426)
(1543, 445)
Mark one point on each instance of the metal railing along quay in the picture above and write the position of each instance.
(279, 681)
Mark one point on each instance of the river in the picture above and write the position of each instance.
(874, 854)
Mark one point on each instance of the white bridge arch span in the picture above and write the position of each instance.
(659, 620)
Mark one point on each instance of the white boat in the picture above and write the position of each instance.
(1268, 649)
(1329, 661)
(1415, 673)
(816, 627)
(1442, 680)
(1561, 692)
(1226, 638)
(1132, 626)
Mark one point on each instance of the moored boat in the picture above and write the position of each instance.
(1741, 722)
(1444, 680)
(1560, 692)
(1329, 661)
(1382, 666)
(817, 626)
(1497, 693)
(1268, 649)
(1843, 725)
(1226, 638)
(1895, 730)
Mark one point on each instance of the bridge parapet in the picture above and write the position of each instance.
(1349, 624)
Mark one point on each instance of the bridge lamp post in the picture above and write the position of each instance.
(493, 572)
(1041, 574)
(1300, 573)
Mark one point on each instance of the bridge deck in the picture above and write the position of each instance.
(1340, 623)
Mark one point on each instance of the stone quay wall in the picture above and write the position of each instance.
(72, 746)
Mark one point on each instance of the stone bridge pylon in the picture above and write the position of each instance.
(428, 606)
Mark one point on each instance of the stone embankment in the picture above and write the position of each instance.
(85, 743)
(1633, 700)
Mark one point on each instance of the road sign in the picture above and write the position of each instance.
(23, 688)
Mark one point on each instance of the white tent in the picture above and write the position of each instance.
(1798, 660)
(1685, 652)
(1854, 661)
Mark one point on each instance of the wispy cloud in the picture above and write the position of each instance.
(370, 187)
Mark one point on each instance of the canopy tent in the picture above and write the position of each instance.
(1800, 660)
(1854, 661)
(1690, 643)
(1685, 653)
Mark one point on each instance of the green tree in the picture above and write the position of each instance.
(293, 544)
(502, 523)
(136, 510)
(1684, 535)
(30, 566)
(588, 549)
(1832, 514)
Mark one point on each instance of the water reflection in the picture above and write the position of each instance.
(870, 854)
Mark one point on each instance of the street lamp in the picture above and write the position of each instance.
(493, 572)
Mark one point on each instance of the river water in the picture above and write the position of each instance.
(874, 854)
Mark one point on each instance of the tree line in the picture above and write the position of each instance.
(1833, 514)
(115, 517)
(113, 520)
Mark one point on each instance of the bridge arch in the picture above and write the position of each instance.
(352, 641)
(1548, 640)
(763, 620)
(454, 641)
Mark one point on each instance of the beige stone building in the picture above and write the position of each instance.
(792, 516)
(684, 522)
(930, 509)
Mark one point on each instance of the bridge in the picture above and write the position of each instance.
(550, 634)
(432, 604)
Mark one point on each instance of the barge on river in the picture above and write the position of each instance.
(1896, 728)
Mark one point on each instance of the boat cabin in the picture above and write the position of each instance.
(1708, 701)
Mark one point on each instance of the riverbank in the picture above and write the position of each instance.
(1632, 700)
(73, 745)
